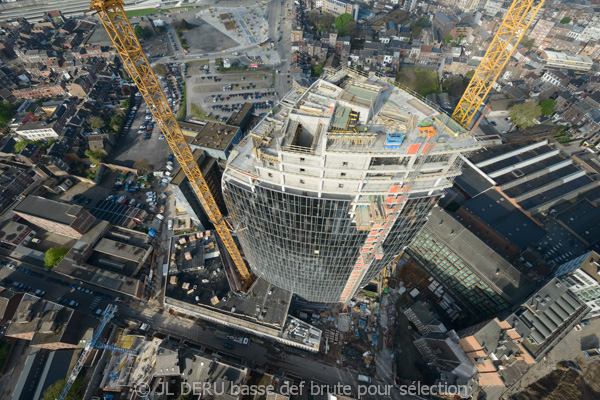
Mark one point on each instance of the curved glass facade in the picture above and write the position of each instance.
(310, 245)
(306, 245)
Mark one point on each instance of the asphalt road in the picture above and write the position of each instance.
(88, 303)
(267, 355)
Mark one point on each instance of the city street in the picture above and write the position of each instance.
(258, 355)
(88, 303)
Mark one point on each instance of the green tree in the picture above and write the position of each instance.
(565, 20)
(313, 17)
(161, 69)
(143, 166)
(548, 107)
(455, 85)
(5, 113)
(141, 32)
(96, 155)
(116, 121)
(344, 24)
(19, 146)
(54, 390)
(469, 75)
(4, 350)
(182, 25)
(523, 115)
(95, 122)
(125, 104)
(322, 21)
(527, 42)
(317, 69)
(448, 39)
(54, 255)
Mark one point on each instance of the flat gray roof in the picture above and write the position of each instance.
(121, 250)
(503, 216)
(542, 316)
(51, 210)
(488, 265)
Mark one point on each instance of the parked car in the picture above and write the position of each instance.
(73, 304)
(40, 292)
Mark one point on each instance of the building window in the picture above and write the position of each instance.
(341, 185)
(302, 181)
(343, 174)
(345, 164)
(270, 175)
(302, 159)
(302, 170)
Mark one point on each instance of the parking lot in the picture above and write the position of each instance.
(131, 145)
(118, 213)
(219, 95)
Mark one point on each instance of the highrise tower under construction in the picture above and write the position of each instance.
(330, 188)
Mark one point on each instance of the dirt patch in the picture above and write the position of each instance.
(567, 382)
(229, 25)
(224, 16)
(208, 39)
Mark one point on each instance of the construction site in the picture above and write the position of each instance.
(326, 192)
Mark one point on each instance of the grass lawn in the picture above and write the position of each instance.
(198, 112)
(182, 106)
(202, 63)
(143, 11)
(422, 81)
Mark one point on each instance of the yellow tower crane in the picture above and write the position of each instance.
(121, 33)
(505, 41)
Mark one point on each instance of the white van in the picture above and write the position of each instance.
(160, 217)
(170, 225)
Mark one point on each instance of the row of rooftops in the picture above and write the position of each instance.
(42, 322)
(508, 186)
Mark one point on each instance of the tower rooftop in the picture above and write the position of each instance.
(367, 115)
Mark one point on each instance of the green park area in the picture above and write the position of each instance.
(422, 81)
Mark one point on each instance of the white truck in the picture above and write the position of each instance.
(238, 339)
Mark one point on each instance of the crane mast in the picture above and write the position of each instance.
(503, 45)
(108, 314)
(112, 15)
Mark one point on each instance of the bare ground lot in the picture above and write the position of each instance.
(206, 38)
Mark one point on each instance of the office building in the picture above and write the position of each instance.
(329, 190)
(546, 317)
(337, 7)
(54, 216)
(481, 281)
(541, 29)
(560, 60)
(582, 276)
